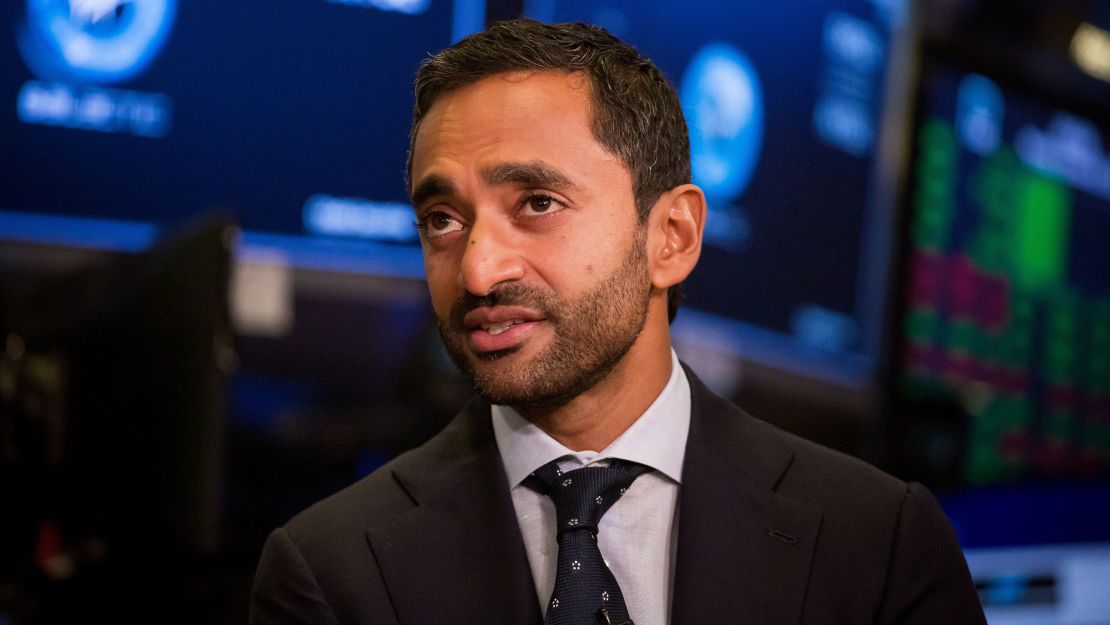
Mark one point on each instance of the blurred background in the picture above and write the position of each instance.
(212, 308)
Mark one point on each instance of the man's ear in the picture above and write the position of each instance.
(674, 236)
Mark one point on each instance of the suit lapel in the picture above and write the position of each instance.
(457, 556)
(744, 551)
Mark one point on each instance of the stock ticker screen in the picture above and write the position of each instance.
(1007, 296)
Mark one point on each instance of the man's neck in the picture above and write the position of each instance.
(594, 419)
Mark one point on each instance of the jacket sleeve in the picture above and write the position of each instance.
(285, 590)
(928, 582)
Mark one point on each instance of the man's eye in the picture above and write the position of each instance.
(438, 224)
(541, 204)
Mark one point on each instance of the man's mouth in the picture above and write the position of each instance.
(500, 327)
(497, 319)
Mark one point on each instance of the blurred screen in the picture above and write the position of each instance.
(1002, 377)
(783, 101)
(1007, 291)
(291, 116)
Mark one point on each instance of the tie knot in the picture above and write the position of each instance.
(583, 496)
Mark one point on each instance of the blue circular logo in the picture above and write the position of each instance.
(979, 112)
(723, 103)
(94, 41)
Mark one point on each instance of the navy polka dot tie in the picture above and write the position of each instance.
(586, 593)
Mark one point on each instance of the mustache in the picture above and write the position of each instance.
(509, 294)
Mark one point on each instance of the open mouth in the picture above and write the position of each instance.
(498, 328)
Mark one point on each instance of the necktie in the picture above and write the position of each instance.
(586, 593)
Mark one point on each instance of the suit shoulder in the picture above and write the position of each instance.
(825, 473)
(784, 462)
(383, 494)
(352, 509)
(372, 500)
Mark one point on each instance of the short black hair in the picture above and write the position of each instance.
(636, 112)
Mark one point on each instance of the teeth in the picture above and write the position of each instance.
(498, 329)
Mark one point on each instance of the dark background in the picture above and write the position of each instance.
(151, 440)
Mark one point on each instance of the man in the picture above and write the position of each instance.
(549, 172)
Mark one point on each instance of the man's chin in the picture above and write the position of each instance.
(522, 382)
(518, 395)
(496, 354)
(508, 377)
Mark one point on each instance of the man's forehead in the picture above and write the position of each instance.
(572, 86)
(520, 112)
(572, 79)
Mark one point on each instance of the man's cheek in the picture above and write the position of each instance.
(441, 289)
(442, 309)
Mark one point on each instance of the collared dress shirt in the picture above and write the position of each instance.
(639, 534)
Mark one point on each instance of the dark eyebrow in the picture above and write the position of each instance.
(429, 187)
(534, 174)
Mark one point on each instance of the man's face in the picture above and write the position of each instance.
(534, 258)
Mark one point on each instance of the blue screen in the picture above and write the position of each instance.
(291, 116)
(783, 102)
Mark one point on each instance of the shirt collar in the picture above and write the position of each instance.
(656, 439)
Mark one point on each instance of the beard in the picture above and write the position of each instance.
(593, 332)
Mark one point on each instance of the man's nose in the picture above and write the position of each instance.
(491, 257)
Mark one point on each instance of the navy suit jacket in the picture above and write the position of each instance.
(772, 529)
